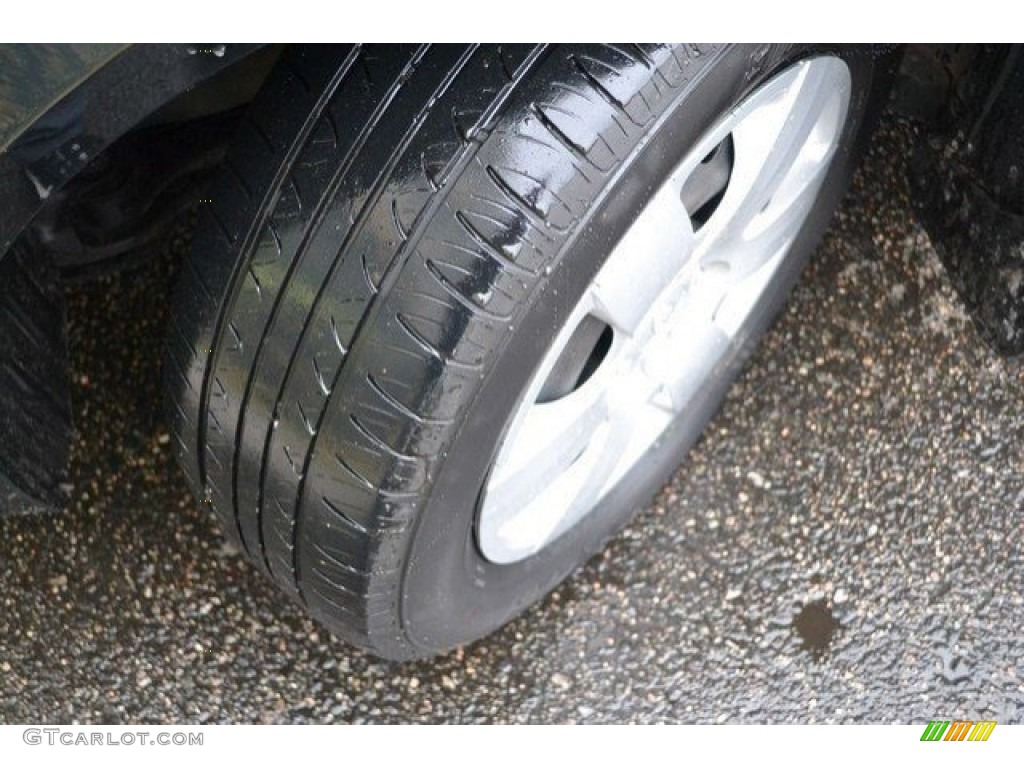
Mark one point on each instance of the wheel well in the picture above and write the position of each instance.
(100, 216)
(129, 193)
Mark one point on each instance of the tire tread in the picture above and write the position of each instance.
(393, 223)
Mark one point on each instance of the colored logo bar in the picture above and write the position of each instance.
(958, 730)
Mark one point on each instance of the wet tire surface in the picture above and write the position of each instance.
(844, 545)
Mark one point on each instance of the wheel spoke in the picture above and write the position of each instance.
(767, 147)
(643, 263)
(549, 440)
(601, 465)
(779, 228)
(702, 351)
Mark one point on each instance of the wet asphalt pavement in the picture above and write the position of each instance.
(844, 545)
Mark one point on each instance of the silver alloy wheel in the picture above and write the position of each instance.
(664, 309)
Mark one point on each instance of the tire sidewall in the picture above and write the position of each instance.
(450, 593)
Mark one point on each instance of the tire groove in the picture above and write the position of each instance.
(560, 136)
(358, 145)
(493, 251)
(400, 406)
(355, 525)
(601, 90)
(466, 153)
(264, 212)
(322, 108)
(458, 296)
(365, 432)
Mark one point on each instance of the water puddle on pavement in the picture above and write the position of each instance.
(816, 627)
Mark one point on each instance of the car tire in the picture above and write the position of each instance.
(388, 276)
